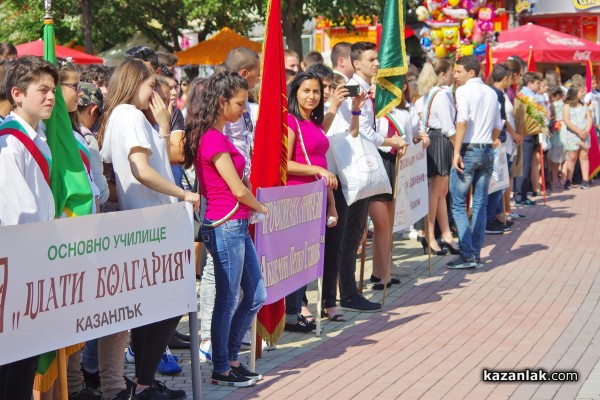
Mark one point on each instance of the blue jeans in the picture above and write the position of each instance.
(236, 266)
(89, 356)
(478, 168)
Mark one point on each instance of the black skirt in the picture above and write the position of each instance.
(389, 164)
(439, 154)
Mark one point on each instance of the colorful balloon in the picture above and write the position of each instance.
(486, 15)
(422, 13)
(434, 7)
(467, 27)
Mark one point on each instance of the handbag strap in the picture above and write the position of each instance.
(302, 145)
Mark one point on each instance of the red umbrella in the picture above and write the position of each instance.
(36, 48)
(549, 46)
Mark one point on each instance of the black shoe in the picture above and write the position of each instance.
(479, 263)
(91, 379)
(124, 394)
(379, 286)
(584, 185)
(303, 326)
(568, 185)
(446, 246)
(492, 228)
(360, 304)
(393, 281)
(425, 244)
(85, 394)
(461, 263)
(185, 338)
(177, 343)
(150, 393)
(171, 394)
(233, 379)
(526, 202)
(508, 222)
(242, 370)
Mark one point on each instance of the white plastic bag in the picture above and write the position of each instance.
(359, 167)
(500, 179)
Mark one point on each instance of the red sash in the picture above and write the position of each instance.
(36, 153)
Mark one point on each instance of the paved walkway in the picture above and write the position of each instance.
(534, 305)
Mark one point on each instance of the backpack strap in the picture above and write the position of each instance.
(41, 160)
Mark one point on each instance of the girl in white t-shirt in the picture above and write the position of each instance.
(139, 157)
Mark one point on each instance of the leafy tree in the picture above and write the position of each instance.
(212, 15)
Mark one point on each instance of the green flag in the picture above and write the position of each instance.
(392, 58)
(70, 188)
(68, 180)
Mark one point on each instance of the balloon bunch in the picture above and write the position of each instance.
(455, 28)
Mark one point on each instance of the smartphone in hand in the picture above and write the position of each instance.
(353, 90)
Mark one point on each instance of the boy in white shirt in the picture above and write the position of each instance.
(25, 162)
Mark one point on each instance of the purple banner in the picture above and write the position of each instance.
(290, 242)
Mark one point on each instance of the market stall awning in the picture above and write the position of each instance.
(549, 46)
(36, 48)
(213, 51)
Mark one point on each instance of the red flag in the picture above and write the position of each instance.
(594, 152)
(530, 61)
(489, 65)
(269, 160)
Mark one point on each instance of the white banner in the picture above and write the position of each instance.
(71, 280)
(500, 178)
(412, 198)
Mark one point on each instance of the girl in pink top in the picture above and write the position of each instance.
(307, 146)
(220, 169)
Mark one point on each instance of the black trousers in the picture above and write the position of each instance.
(333, 243)
(16, 379)
(149, 343)
(355, 226)
(523, 182)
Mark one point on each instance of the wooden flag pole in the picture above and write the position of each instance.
(254, 345)
(543, 173)
(63, 389)
(388, 273)
(427, 236)
(363, 256)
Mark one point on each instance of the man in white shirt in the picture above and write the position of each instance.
(340, 60)
(241, 133)
(478, 125)
(366, 64)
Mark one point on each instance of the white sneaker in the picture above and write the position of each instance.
(206, 351)
(247, 340)
(129, 356)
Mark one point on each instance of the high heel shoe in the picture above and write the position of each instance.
(448, 246)
(425, 244)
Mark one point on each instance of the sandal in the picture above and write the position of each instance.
(333, 318)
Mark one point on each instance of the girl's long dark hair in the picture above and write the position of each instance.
(571, 97)
(318, 114)
(203, 109)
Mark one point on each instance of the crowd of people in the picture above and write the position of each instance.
(155, 138)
